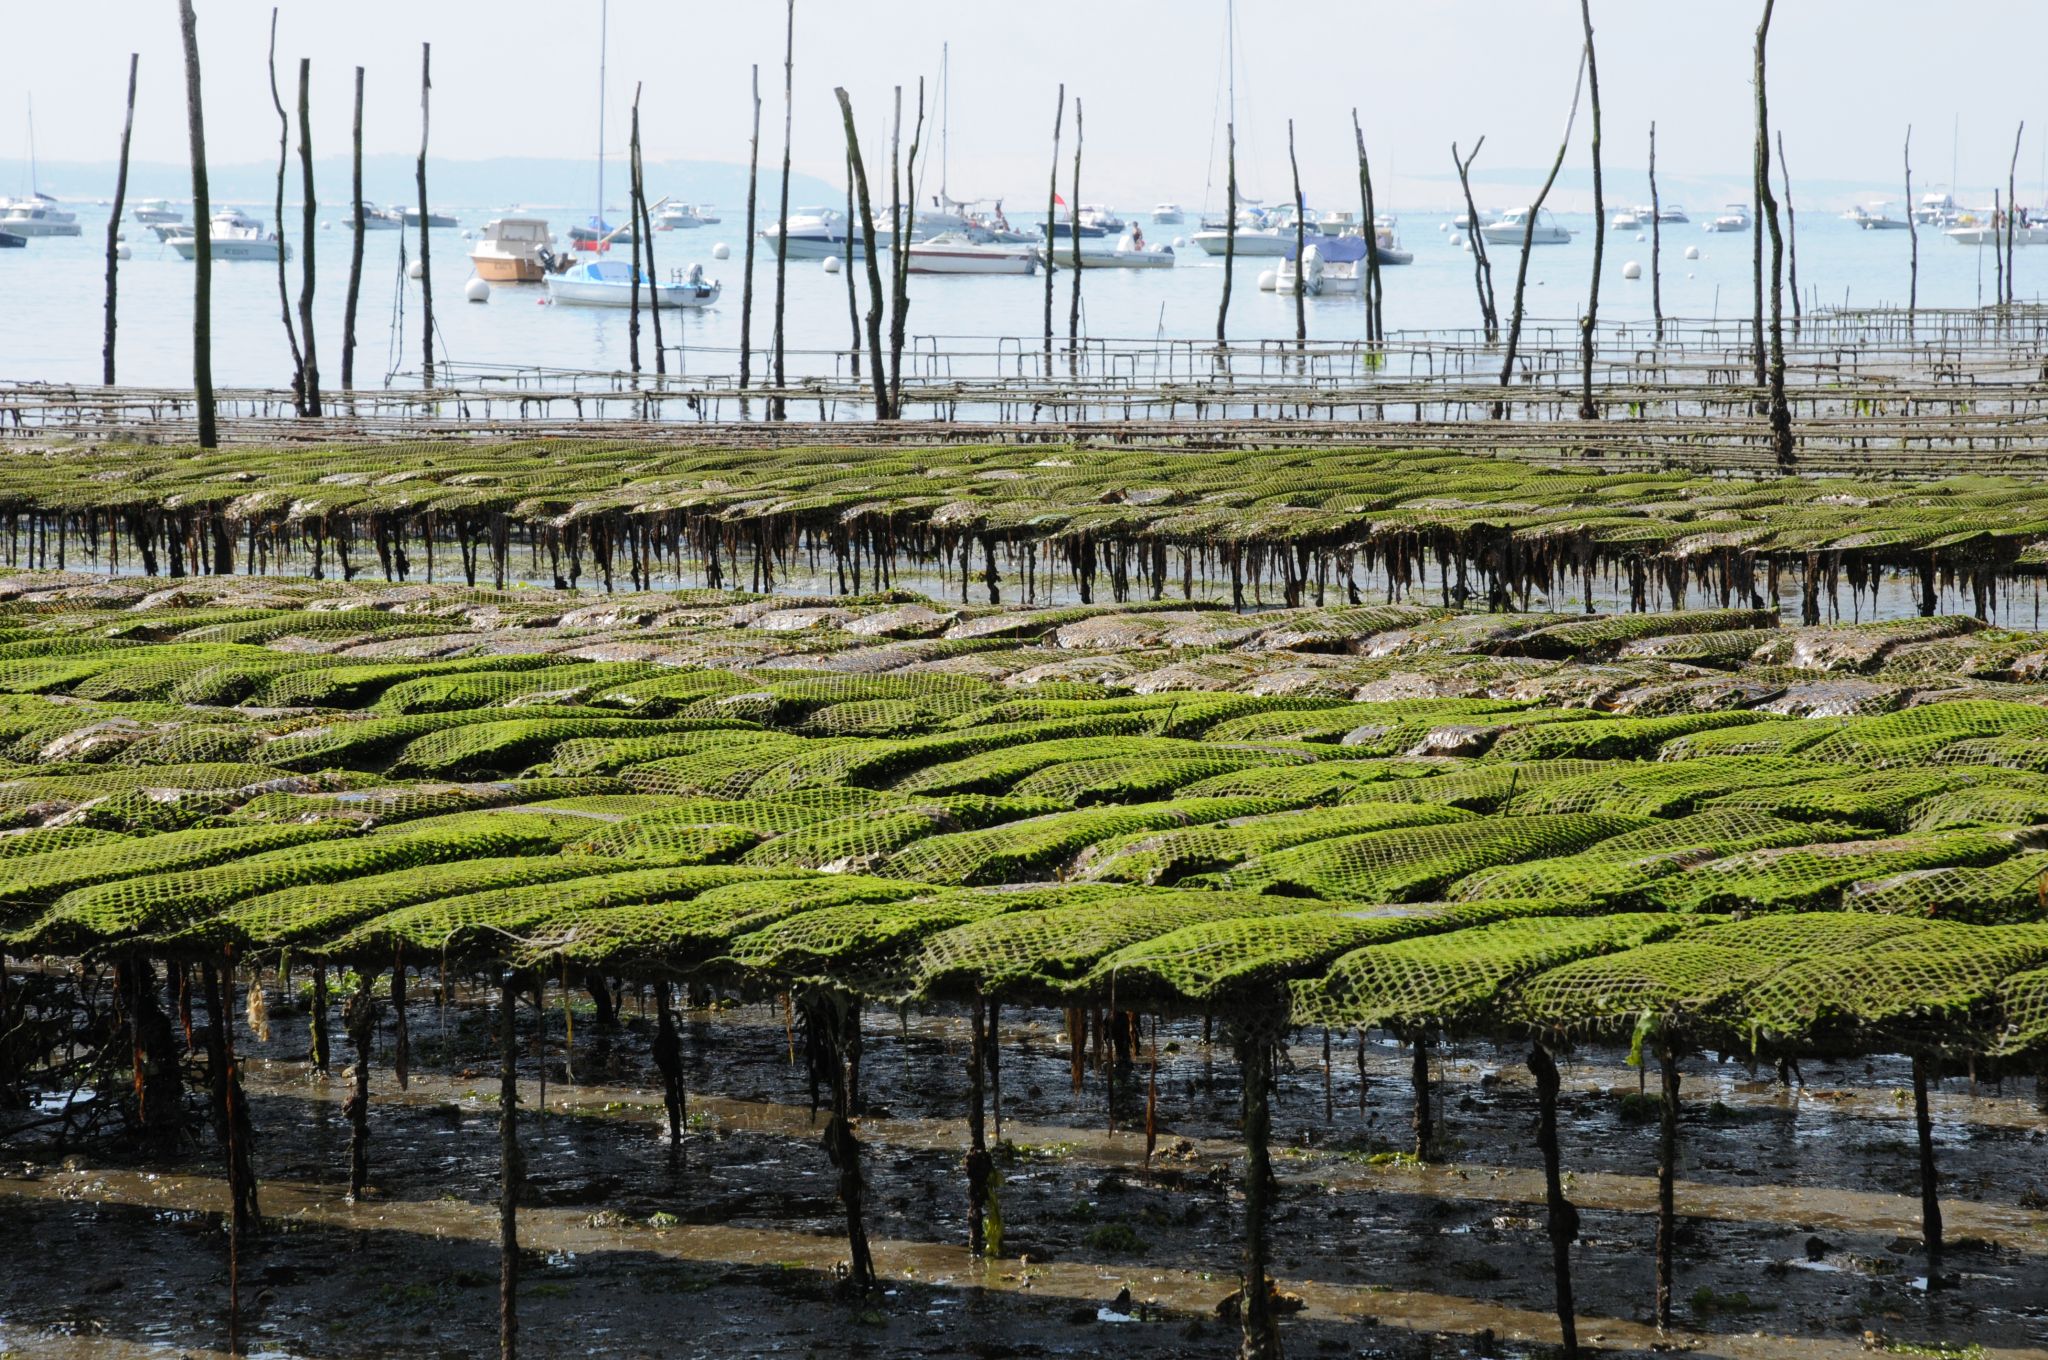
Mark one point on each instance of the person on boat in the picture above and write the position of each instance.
(1137, 237)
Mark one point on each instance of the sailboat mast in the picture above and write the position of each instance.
(945, 121)
(35, 190)
(603, 25)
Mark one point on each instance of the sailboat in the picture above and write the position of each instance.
(599, 235)
(38, 214)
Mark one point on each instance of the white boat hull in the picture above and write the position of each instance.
(188, 246)
(1991, 236)
(928, 259)
(1162, 258)
(675, 296)
(1505, 235)
(33, 228)
(813, 247)
(1250, 244)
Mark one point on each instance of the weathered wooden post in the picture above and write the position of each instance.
(643, 231)
(1300, 247)
(1375, 312)
(1482, 267)
(1229, 236)
(1074, 241)
(867, 228)
(355, 253)
(1507, 368)
(1656, 239)
(114, 223)
(1588, 329)
(202, 244)
(899, 261)
(1052, 200)
(309, 368)
(1792, 232)
(284, 295)
(777, 408)
(747, 269)
(1780, 412)
(426, 263)
(1912, 236)
(511, 1168)
(1562, 1218)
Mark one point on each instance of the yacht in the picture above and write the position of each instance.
(967, 252)
(1936, 210)
(1736, 218)
(410, 217)
(681, 217)
(1628, 219)
(234, 236)
(1167, 214)
(1973, 229)
(1671, 212)
(1095, 215)
(378, 219)
(814, 233)
(151, 212)
(38, 215)
(512, 250)
(1513, 228)
(1876, 220)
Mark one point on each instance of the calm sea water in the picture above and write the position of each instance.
(51, 294)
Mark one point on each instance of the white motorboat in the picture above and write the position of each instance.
(153, 212)
(1096, 215)
(512, 250)
(1167, 214)
(1936, 210)
(1128, 251)
(960, 252)
(376, 218)
(683, 217)
(813, 234)
(1627, 219)
(234, 236)
(1259, 234)
(410, 217)
(1671, 212)
(1513, 228)
(1977, 232)
(1874, 218)
(609, 283)
(38, 215)
(1735, 219)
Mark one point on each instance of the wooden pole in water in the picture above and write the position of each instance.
(979, 1164)
(1930, 1190)
(308, 213)
(1482, 267)
(1792, 234)
(1562, 1222)
(1074, 241)
(1588, 327)
(852, 291)
(1425, 1127)
(1261, 1337)
(1656, 239)
(114, 223)
(1375, 313)
(867, 227)
(1229, 233)
(1052, 199)
(361, 1021)
(426, 267)
(2012, 212)
(355, 252)
(1667, 1182)
(511, 1170)
(202, 243)
(899, 260)
(777, 408)
(1912, 236)
(1780, 412)
(747, 269)
(1507, 367)
(643, 230)
(668, 1060)
(633, 230)
(1300, 245)
(284, 295)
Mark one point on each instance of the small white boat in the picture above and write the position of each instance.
(1128, 251)
(151, 212)
(1735, 219)
(1167, 214)
(512, 250)
(410, 217)
(1671, 212)
(1627, 219)
(1513, 228)
(1936, 210)
(234, 236)
(38, 215)
(1096, 215)
(376, 218)
(681, 217)
(609, 283)
(1978, 232)
(813, 234)
(1251, 242)
(1874, 218)
(959, 252)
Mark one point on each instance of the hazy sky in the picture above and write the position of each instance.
(519, 77)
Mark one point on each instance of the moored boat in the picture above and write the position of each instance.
(1513, 228)
(234, 236)
(1735, 219)
(512, 250)
(152, 212)
(609, 283)
(959, 252)
(1167, 214)
(38, 215)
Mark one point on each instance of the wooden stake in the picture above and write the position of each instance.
(1300, 246)
(2012, 212)
(852, 292)
(1375, 315)
(1667, 1181)
(1074, 241)
(1562, 1222)
(361, 1021)
(114, 223)
(643, 231)
(1482, 266)
(1229, 234)
(1930, 1190)
(309, 371)
(1052, 195)
(426, 270)
(777, 408)
(1656, 240)
(867, 227)
(633, 218)
(355, 253)
(1261, 1337)
(1780, 412)
(1588, 327)
(1792, 233)
(1912, 236)
(511, 1171)
(747, 270)
(284, 296)
(202, 244)
(899, 261)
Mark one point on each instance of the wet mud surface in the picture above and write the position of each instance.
(1799, 1213)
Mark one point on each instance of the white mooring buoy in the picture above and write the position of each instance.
(721, 251)
(831, 264)
(1631, 270)
(477, 290)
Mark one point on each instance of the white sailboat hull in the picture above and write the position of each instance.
(678, 296)
(1249, 243)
